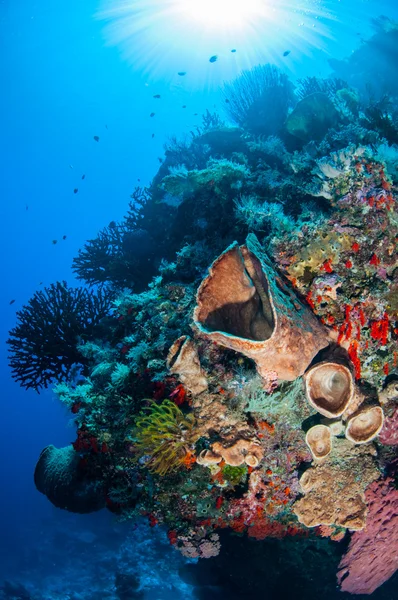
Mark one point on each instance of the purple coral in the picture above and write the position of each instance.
(372, 556)
(389, 433)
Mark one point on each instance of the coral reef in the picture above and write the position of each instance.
(245, 378)
(371, 557)
(347, 269)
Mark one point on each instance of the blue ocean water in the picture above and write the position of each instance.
(63, 80)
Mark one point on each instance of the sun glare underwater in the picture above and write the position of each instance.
(164, 37)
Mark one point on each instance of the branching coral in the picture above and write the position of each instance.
(313, 85)
(166, 435)
(43, 345)
(259, 99)
(117, 255)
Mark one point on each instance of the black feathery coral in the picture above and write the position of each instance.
(259, 99)
(121, 252)
(43, 344)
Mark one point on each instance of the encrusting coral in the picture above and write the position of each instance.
(244, 305)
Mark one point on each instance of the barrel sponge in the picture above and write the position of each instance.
(244, 305)
(57, 477)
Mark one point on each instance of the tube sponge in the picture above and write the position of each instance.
(57, 477)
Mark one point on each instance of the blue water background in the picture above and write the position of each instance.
(61, 84)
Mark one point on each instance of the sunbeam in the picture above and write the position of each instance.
(164, 37)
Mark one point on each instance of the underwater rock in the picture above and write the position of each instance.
(183, 360)
(319, 441)
(365, 425)
(244, 305)
(57, 476)
(329, 388)
(312, 117)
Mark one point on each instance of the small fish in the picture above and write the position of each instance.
(181, 73)
(41, 283)
(286, 52)
(64, 237)
(112, 224)
(157, 96)
(75, 190)
(213, 58)
(26, 207)
(233, 50)
(96, 138)
(226, 100)
(83, 176)
(12, 302)
(106, 126)
(55, 241)
(160, 159)
(153, 135)
(195, 114)
(184, 106)
(71, 166)
(152, 115)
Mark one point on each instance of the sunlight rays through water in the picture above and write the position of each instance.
(164, 37)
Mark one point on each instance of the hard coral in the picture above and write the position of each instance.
(372, 555)
(245, 306)
(43, 345)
